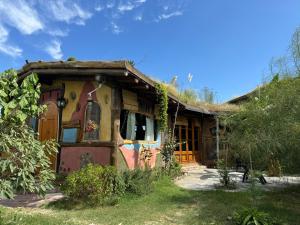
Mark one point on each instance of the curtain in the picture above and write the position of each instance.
(130, 130)
(149, 129)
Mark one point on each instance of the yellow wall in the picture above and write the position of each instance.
(103, 95)
(76, 87)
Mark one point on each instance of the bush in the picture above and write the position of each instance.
(224, 174)
(94, 184)
(138, 181)
(253, 216)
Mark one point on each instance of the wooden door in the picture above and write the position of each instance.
(48, 128)
(188, 138)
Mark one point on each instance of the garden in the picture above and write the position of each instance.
(262, 136)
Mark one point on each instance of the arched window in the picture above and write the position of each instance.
(92, 121)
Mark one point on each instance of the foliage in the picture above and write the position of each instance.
(131, 62)
(295, 50)
(162, 94)
(267, 127)
(171, 167)
(139, 181)
(15, 220)
(274, 168)
(95, 184)
(25, 164)
(252, 216)
(71, 58)
(189, 96)
(19, 100)
(224, 174)
(207, 95)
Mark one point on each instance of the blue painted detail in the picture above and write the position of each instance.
(137, 146)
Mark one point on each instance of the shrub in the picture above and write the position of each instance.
(253, 216)
(138, 181)
(224, 174)
(95, 184)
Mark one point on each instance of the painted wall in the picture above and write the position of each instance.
(75, 109)
(76, 93)
(74, 158)
(131, 155)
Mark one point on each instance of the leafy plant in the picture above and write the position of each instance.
(162, 95)
(25, 163)
(95, 184)
(224, 174)
(139, 181)
(252, 216)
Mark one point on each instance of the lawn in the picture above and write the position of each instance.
(168, 204)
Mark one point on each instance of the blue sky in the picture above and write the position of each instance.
(225, 44)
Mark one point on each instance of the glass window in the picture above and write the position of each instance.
(69, 135)
(196, 133)
(136, 126)
(92, 121)
(183, 138)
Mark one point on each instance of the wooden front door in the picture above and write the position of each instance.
(48, 127)
(188, 137)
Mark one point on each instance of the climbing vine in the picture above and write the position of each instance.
(162, 95)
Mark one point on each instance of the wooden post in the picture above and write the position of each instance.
(115, 123)
(218, 137)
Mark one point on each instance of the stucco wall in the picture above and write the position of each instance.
(75, 109)
(73, 158)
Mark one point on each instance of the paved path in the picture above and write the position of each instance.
(30, 200)
(202, 178)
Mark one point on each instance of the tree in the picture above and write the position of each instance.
(266, 130)
(295, 47)
(207, 95)
(25, 164)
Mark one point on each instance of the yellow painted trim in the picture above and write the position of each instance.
(139, 142)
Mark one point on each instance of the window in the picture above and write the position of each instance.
(92, 121)
(69, 135)
(136, 126)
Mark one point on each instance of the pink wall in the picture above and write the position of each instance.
(133, 159)
(72, 158)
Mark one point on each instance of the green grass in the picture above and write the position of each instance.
(168, 204)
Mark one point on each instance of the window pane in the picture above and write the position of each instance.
(190, 139)
(183, 138)
(70, 135)
(92, 121)
(140, 126)
(196, 133)
(176, 134)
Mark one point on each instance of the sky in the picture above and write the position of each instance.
(226, 45)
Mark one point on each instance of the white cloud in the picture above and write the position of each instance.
(126, 7)
(58, 32)
(54, 50)
(138, 18)
(21, 15)
(168, 16)
(115, 28)
(130, 5)
(68, 12)
(99, 8)
(110, 5)
(5, 47)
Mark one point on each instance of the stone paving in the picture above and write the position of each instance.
(201, 178)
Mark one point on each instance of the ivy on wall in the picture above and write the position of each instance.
(162, 95)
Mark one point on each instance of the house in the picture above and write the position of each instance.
(107, 113)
